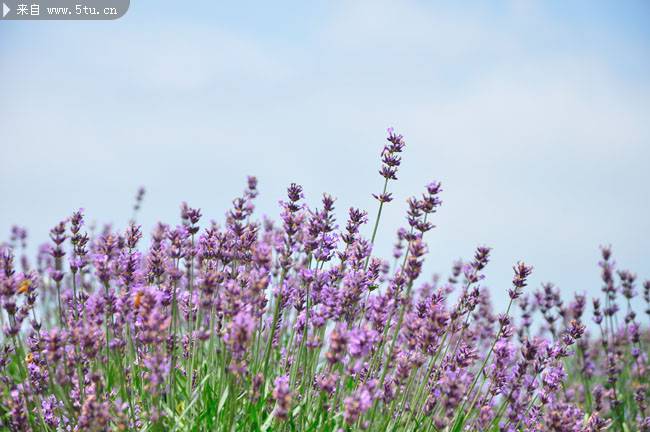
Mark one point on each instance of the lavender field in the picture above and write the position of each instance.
(296, 324)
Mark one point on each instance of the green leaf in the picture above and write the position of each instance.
(267, 424)
(458, 426)
(222, 400)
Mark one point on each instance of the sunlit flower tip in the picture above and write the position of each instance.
(137, 299)
(576, 329)
(338, 342)
(384, 197)
(24, 286)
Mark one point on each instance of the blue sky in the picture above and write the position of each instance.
(534, 115)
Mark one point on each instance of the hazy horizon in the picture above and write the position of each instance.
(534, 117)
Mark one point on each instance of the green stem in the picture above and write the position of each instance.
(457, 417)
(374, 229)
(274, 323)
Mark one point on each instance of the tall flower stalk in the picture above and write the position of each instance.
(390, 162)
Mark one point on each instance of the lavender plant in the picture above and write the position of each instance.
(257, 325)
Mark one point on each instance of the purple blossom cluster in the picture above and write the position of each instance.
(297, 324)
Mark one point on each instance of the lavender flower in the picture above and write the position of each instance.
(282, 397)
(252, 324)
